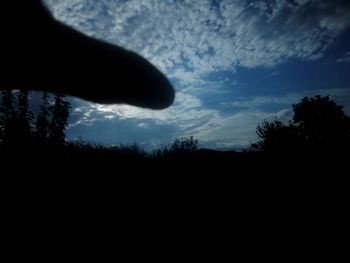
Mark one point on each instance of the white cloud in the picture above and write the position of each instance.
(255, 102)
(188, 118)
(191, 39)
(345, 58)
(185, 113)
(340, 96)
(199, 37)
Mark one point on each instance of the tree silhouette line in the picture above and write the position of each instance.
(319, 125)
(19, 126)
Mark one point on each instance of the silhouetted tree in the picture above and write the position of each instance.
(59, 120)
(319, 125)
(7, 117)
(277, 137)
(23, 119)
(322, 123)
(15, 119)
(17, 122)
(43, 120)
(184, 145)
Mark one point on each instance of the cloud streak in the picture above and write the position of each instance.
(205, 36)
(345, 58)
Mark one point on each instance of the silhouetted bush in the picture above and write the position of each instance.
(59, 119)
(277, 137)
(178, 147)
(319, 125)
(184, 145)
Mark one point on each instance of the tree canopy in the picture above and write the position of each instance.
(18, 126)
(318, 124)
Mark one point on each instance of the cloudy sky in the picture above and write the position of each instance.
(233, 64)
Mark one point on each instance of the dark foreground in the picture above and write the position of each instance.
(202, 198)
(194, 179)
(74, 160)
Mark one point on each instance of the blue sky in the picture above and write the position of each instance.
(233, 64)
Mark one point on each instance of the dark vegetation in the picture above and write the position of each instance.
(178, 189)
(319, 125)
(19, 128)
(319, 133)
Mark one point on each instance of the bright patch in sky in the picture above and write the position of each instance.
(233, 63)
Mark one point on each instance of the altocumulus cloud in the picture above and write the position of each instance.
(192, 39)
(210, 35)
